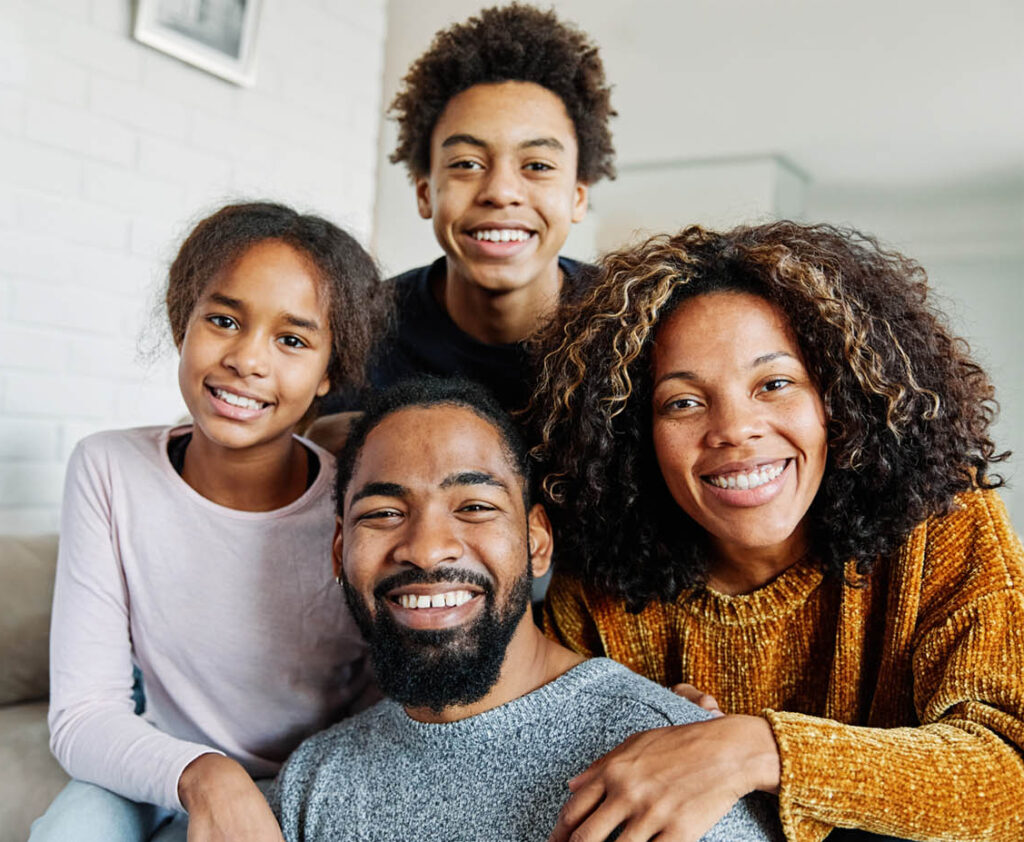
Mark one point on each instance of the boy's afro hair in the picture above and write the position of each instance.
(508, 43)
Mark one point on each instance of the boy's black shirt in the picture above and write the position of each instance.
(425, 340)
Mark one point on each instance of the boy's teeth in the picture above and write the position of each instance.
(237, 400)
(749, 480)
(502, 235)
(438, 600)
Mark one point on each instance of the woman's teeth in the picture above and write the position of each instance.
(502, 235)
(750, 480)
(237, 400)
(437, 600)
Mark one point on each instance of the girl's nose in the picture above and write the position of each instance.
(248, 356)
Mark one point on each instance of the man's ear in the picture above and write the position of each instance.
(423, 204)
(542, 542)
(580, 201)
(336, 547)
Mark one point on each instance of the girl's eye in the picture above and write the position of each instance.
(225, 322)
(292, 341)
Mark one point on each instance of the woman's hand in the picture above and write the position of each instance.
(704, 700)
(672, 783)
(223, 803)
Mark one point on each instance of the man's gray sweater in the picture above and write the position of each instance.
(499, 775)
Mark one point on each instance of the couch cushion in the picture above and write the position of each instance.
(29, 776)
(27, 565)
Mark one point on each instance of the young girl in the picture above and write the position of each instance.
(201, 554)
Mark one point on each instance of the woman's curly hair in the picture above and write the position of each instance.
(509, 43)
(908, 410)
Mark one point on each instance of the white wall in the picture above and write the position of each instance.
(109, 150)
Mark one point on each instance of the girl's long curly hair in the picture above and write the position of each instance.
(908, 410)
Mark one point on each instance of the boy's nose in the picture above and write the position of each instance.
(502, 186)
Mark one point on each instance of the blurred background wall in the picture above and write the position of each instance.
(904, 119)
(109, 152)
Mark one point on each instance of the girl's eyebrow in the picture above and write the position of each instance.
(290, 318)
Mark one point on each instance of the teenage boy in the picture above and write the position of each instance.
(486, 719)
(503, 126)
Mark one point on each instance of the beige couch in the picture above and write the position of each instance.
(29, 776)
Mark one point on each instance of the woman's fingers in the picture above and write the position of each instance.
(691, 693)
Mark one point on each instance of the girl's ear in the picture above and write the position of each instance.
(324, 387)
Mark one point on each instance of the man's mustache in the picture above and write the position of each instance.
(416, 576)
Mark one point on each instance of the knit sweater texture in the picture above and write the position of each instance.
(499, 775)
(897, 704)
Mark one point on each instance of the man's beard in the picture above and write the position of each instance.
(440, 668)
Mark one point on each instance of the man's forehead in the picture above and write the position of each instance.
(435, 447)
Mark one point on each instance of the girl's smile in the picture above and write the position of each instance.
(256, 350)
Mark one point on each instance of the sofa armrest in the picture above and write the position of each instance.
(27, 566)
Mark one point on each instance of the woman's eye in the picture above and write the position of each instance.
(225, 322)
(292, 341)
(681, 403)
(776, 383)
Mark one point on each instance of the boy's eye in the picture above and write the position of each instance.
(292, 341)
(539, 166)
(466, 165)
(225, 322)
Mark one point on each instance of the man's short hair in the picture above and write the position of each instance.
(427, 391)
(504, 44)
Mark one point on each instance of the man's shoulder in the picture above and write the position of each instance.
(624, 693)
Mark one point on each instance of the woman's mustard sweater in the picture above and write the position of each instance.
(897, 705)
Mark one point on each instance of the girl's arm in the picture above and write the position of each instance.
(94, 731)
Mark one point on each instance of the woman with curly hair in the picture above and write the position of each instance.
(769, 464)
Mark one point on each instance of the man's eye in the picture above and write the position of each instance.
(292, 341)
(473, 508)
(380, 514)
(225, 322)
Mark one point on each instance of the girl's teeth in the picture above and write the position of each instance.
(237, 400)
(750, 480)
(438, 600)
(502, 235)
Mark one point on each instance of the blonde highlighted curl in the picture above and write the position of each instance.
(909, 411)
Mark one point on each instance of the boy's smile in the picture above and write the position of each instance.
(502, 189)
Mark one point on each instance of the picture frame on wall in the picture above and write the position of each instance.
(218, 36)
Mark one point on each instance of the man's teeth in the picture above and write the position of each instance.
(751, 480)
(437, 600)
(502, 235)
(237, 400)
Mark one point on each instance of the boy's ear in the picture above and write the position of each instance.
(336, 547)
(580, 201)
(423, 204)
(541, 540)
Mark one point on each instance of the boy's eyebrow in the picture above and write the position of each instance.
(472, 478)
(471, 140)
(455, 139)
(380, 489)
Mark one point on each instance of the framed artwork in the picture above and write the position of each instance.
(218, 36)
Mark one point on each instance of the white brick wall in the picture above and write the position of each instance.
(109, 152)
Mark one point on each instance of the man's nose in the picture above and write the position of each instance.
(428, 540)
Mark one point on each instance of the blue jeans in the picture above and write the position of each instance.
(88, 813)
